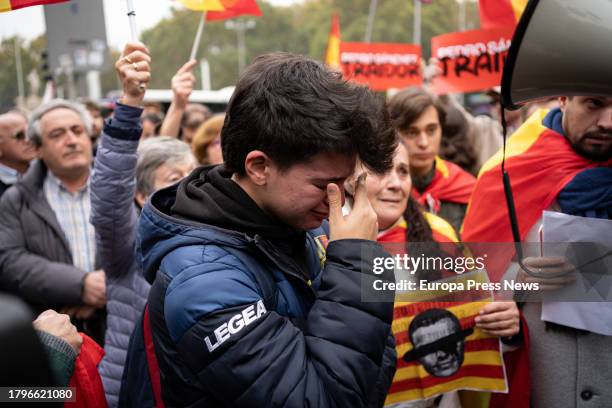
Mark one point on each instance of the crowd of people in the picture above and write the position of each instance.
(200, 259)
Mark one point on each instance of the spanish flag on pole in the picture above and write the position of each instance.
(234, 8)
(203, 5)
(500, 13)
(332, 56)
(8, 5)
(223, 9)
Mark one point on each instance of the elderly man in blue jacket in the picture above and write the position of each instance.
(252, 303)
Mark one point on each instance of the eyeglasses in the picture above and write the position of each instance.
(19, 136)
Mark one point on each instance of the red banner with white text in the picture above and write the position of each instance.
(470, 61)
(381, 65)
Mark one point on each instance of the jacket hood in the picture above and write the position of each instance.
(207, 207)
(159, 232)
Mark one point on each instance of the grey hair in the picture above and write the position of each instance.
(154, 152)
(34, 130)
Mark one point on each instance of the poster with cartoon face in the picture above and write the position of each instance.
(439, 349)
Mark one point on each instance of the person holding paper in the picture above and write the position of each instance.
(558, 160)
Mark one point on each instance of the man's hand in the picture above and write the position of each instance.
(83, 312)
(499, 319)
(182, 84)
(59, 325)
(548, 266)
(361, 223)
(134, 72)
(94, 289)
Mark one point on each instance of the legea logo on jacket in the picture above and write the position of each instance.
(235, 324)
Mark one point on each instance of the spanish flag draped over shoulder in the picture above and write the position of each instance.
(332, 55)
(500, 13)
(441, 230)
(8, 5)
(540, 163)
(450, 183)
(234, 8)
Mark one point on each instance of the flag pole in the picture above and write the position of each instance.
(198, 37)
(134, 32)
(132, 18)
(416, 34)
(371, 15)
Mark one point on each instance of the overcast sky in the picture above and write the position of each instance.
(30, 22)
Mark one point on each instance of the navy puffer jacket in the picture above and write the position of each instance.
(219, 343)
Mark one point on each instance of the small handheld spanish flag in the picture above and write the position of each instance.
(332, 55)
(234, 8)
(10, 5)
(202, 5)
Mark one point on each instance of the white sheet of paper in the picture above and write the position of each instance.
(595, 317)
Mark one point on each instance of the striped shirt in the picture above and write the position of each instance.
(72, 212)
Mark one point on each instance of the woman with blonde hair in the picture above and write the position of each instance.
(206, 143)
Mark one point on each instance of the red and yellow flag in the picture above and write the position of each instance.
(466, 358)
(203, 5)
(234, 8)
(540, 163)
(441, 230)
(450, 183)
(8, 5)
(332, 55)
(500, 13)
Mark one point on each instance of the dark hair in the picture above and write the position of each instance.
(429, 317)
(195, 109)
(92, 106)
(293, 108)
(419, 238)
(155, 118)
(455, 145)
(406, 106)
(418, 229)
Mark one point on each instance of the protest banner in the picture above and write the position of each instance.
(470, 61)
(438, 345)
(381, 65)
